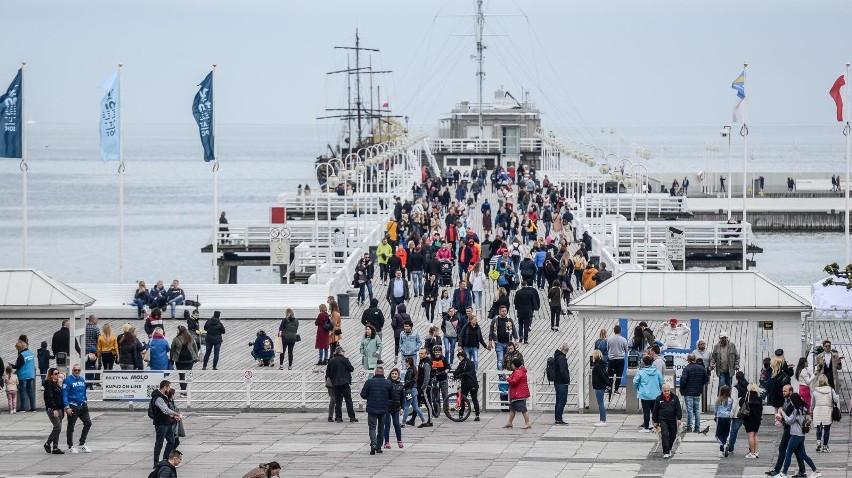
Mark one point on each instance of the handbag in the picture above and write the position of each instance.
(279, 345)
(493, 274)
(745, 410)
(298, 338)
(180, 431)
(835, 413)
(146, 355)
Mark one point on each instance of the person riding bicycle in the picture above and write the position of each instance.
(466, 373)
(440, 367)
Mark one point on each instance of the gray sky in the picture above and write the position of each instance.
(585, 62)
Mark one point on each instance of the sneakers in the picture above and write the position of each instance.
(819, 448)
(353, 420)
(800, 474)
(372, 450)
(387, 445)
(600, 424)
(826, 449)
(815, 474)
(780, 475)
(73, 450)
(424, 425)
(399, 443)
(57, 451)
(559, 422)
(645, 430)
(476, 419)
(666, 456)
(84, 449)
(47, 447)
(721, 454)
(751, 455)
(726, 451)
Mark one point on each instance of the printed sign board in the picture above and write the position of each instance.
(130, 385)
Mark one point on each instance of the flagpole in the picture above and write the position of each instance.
(846, 185)
(215, 181)
(24, 167)
(120, 184)
(744, 133)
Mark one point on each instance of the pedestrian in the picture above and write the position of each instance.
(600, 383)
(554, 296)
(430, 296)
(579, 263)
(394, 408)
(667, 417)
(158, 351)
(384, 252)
(265, 470)
(722, 415)
(167, 468)
(692, 380)
(411, 393)
(12, 385)
(177, 426)
(153, 321)
(409, 340)
(339, 372)
(781, 373)
(43, 358)
(25, 371)
(378, 392)
(648, 383)
(263, 350)
(561, 380)
(724, 359)
(825, 399)
(449, 326)
(785, 438)
(806, 380)
(163, 418)
(214, 329)
(107, 347)
(502, 332)
(288, 330)
(61, 341)
(76, 407)
(397, 292)
(462, 298)
(433, 339)
(183, 352)
(371, 348)
(425, 378)
(616, 353)
(471, 338)
(336, 333)
(374, 317)
(751, 420)
(477, 282)
(92, 331)
(323, 324)
(465, 372)
(738, 396)
(54, 407)
(828, 363)
(519, 392)
(796, 419)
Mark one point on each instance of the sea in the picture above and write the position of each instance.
(73, 196)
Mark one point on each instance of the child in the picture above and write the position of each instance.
(43, 361)
(91, 364)
(11, 389)
(519, 392)
(723, 406)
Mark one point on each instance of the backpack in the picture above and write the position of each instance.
(516, 251)
(185, 354)
(329, 325)
(550, 369)
(156, 471)
(151, 413)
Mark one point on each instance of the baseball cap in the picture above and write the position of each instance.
(723, 334)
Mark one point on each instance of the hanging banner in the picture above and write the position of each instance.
(202, 110)
(110, 121)
(11, 114)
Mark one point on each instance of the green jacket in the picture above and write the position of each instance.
(289, 329)
(384, 252)
(371, 350)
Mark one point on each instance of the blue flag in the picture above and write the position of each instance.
(110, 121)
(202, 110)
(11, 115)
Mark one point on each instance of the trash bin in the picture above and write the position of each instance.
(343, 303)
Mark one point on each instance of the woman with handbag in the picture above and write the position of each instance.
(335, 335)
(177, 425)
(323, 324)
(751, 412)
(288, 330)
(183, 353)
(825, 401)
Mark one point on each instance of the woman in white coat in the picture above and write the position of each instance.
(824, 399)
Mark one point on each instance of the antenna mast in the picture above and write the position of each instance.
(480, 24)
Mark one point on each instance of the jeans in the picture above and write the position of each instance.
(822, 434)
(547, 226)
(599, 397)
(163, 432)
(736, 423)
(668, 433)
(383, 272)
(393, 417)
(473, 355)
(430, 310)
(647, 407)
(81, 412)
(578, 274)
(417, 280)
(323, 355)
(362, 292)
(797, 445)
(395, 302)
(782, 450)
(26, 391)
(450, 348)
(724, 379)
(723, 429)
(525, 324)
(56, 421)
(174, 303)
(693, 410)
(182, 366)
(555, 313)
(212, 348)
(561, 400)
(501, 351)
(341, 393)
(413, 402)
(375, 424)
(477, 299)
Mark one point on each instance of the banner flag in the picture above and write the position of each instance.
(202, 110)
(739, 85)
(836, 95)
(110, 122)
(11, 115)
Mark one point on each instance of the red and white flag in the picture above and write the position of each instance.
(836, 94)
(385, 105)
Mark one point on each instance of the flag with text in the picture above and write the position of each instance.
(11, 116)
(110, 120)
(202, 110)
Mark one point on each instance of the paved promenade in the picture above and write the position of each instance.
(228, 445)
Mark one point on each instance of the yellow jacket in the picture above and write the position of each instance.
(110, 345)
(384, 252)
(589, 281)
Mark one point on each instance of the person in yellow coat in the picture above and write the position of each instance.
(384, 252)
(589, 281)
(391, 231)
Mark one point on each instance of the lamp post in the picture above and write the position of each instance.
(726, 133)
(330, 181)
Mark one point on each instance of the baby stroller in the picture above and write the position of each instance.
(446, 273)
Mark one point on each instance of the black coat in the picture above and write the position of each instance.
(431, 289)
(692, 380)
(667, 410)
(378, 391)
(599, 379)
(130, 353)
(471, 336)
(339, 370)
(527, 268)
(374, 317)
(53, 396)
(396, 397)
(60, 341)
(495, 306)
(432, 267)
(466, 372)
(215, 329)
(526, 301)
(415, 261)
(563, 375)
(394, 264)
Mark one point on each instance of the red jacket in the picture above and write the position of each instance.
(451, 234)
(518, 386)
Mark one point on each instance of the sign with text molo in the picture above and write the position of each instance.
(130, 385)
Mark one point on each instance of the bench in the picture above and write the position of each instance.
(821, 185)
(234, 301)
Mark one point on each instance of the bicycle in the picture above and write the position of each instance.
(456, 405)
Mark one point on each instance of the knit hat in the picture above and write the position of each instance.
(779, 352)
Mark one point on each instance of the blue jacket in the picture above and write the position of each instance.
(159, 354)
(648, 383)
(378, 392)
(692, 380)
(264, 350)
(409, 344)
(539, 258)
(73, 391)
(25, 365)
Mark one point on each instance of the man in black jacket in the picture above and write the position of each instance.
(168, 468)
(164, 417)
(374, 316)
(61, 341)
(377, 391)
(692, 381)
(667, 416)
(466, 373)
(561, 381)
(526, 303)
(339, 372)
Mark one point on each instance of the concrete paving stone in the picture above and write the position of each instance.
(677, 470)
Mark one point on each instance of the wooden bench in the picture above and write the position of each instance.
(234, 301)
